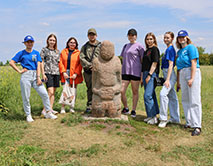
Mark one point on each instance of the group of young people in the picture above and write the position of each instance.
(143, 66)
(140, 66)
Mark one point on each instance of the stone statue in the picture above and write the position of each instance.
(106, 83)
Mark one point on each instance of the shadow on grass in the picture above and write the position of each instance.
(13, 116)
(140, 118)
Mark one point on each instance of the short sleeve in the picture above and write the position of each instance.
(122, 52)
(193, 52)
(42, 53)
(155, 55)
(58, 53)
(141, 51)
(171, 55)
(38, 57)
(17, 57)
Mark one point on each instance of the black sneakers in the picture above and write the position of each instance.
(125, 111)
(133, 113)
(88, 111)
(196, 131)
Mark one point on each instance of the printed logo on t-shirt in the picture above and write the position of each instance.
(34, 57)
(149, 52)
(184, 52)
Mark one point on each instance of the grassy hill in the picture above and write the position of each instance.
(71, 141)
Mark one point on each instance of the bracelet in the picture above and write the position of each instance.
(150, 74)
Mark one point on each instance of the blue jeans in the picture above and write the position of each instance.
(68, 79)
(28, 80)
(168, 97)
(150, 100)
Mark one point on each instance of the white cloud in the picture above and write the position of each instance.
(201, 38)
(45, 24)
(201, 8)
(114, 24)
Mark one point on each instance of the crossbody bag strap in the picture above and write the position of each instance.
(90, 59)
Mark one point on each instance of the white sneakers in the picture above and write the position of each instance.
(162, 123)
(50, 115)
(29, 118)
(62, 110)
(72, 110)
(152, 121)
(44, 112)
(147, 119)
(54, 112)
(47, 115)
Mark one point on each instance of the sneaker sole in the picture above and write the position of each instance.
(50, 118)
(152, 123)
(162, 126)
(55, 113)
(126, 113)
(146, 120)
(30, 121)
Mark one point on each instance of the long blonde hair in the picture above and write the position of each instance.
(179, 46)
(155, 41)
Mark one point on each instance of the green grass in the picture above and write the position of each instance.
(100, 142)
(73, 119)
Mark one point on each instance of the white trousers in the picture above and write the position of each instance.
(27, 81)
(168, 97)
(191, 97)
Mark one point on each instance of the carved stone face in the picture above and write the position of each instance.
(107, 50)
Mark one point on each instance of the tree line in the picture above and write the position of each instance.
(204, 59)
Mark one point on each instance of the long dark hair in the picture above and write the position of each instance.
(52, 35)
(76, 47)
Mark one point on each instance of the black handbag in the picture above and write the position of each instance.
(159, 81)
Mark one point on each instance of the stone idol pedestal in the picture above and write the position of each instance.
(121, 118)
(106, 85)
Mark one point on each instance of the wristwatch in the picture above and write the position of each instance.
(150, 74)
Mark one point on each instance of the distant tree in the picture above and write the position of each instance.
(7, 63)
(211, 58)
(1, 63)
(201, 50)
(204, 59)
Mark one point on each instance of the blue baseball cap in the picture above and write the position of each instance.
(182, 33)
(27, 38)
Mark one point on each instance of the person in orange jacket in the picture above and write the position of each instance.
(69, 66)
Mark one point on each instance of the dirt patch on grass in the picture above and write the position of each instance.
(99, 143)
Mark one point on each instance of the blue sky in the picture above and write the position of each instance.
(111, 18)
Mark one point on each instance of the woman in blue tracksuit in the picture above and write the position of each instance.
(168, 96)
(189, 80)
(30, 60)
